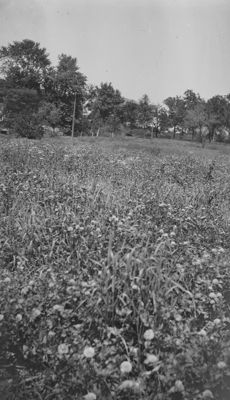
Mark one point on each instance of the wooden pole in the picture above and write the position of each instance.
(74, 112)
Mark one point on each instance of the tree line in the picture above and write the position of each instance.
(34, 94)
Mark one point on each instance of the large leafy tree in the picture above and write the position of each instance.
(145, 111)
(160, 119)
(197, 118)
(106, 105)
(219, 111)
(49, 114)
(176, 112)
(130, 113)
(108, 101)
(191, 99)
(64, 84)
(20, 101)
(24, 64)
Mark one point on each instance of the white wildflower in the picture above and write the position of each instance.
(90, 396)
(89, 352)
(125, 367)
(35, 313)
(207, 395)
(179, 386)
(129, 384)
(151, 359)
(63, 348)
(221, 365)
(18, 317)
(149, 334)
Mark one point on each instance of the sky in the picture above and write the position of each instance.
(156, 47)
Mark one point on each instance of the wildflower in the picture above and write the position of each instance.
(178, 317)
(202, 332)
(221, 365)
(63, 348)
(212, 295)
(207, 394)
(215, 281)
(25, 290)
(72, 282)
(18, 317)
(7, 280)
(217, 321)
(1, 317)
(89, 352)
(129, 384)
(59, 308)
(126, 367)
(90, 396)
(135, 287)
(151, 359)
(149, 334)
(179, 386)
(35, 313)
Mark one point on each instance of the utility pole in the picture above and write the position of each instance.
(74, 112)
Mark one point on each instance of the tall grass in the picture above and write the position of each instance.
(112, 252)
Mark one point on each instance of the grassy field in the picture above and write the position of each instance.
(114, 270)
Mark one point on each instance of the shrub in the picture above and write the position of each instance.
(27, 126)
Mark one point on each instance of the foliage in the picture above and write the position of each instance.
(114, 271)
(145, 111)
(191, 99)
(176, 111)
(20, 101)
(24, 64)
(63, 84)
(49, 114)
(27, 126)
(197, 117)
(130, 112)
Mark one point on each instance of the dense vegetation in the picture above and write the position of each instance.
(34, 94)
(114, 270)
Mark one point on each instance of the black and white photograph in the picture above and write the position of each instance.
(114, 199)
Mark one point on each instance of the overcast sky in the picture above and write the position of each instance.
(158, 47)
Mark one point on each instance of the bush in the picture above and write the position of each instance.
(28, 127)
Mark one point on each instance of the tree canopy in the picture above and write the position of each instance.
(30, 84)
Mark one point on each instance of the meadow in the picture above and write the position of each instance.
(114, 269)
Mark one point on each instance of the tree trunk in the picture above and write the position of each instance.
(193, 133)
(174, 132)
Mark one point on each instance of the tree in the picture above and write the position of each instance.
(130, 113)
(197, 118)
(24, 64)
(218, 110)
(50, 114)
(145, 111)
(107, 107)
(64, 83)
(176, 112)
(20, 101)
(191, 99)
(20, 112)
(159, 120)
